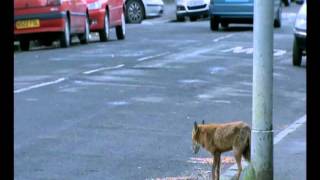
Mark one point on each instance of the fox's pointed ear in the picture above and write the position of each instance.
(202, 121)
(195, 126)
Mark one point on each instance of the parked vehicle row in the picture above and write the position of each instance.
(50, 20)
(223, 11)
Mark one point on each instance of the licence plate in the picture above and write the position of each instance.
(24, 24)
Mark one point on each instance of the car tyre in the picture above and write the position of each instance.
(180, 18)
(24, 45)
(105, 32)
(296, 54)
(65, 38)
(214, 23)
(84, 38)
(135, 12)
(121, 30)
(277, 21)
(286, 2)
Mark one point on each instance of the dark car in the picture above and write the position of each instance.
(225, 12)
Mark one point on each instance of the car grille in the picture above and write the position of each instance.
(196, 7)
(180, 8)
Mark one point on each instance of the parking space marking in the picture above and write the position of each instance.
(289, 129)
(104, 68)
(222, 37)
(152, 57)
(240, 49)
(174, 178)
(40, 85)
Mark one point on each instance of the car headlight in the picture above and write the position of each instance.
(95, 5)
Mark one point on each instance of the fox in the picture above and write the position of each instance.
(219, 138)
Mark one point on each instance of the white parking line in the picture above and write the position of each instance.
(232, 171)
(102, 69)
(240, 49)
(151, 57)
(289, 129)
(39, 85)
(223, 37)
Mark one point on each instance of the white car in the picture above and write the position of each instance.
(300, 35)
(137, 10)
(192, 8)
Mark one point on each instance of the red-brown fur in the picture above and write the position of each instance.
(219, 138)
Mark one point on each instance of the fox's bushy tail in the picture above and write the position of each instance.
(247, 150)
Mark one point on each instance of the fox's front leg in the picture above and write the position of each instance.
(213, 169)
(216, 166)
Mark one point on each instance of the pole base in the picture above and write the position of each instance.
(262, 154)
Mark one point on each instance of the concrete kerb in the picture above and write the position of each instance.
(231, 173)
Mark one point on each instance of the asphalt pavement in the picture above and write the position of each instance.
(125, 109)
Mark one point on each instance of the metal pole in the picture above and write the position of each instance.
(262, 134)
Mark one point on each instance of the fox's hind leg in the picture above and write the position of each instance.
(237, 155)
(216, 166)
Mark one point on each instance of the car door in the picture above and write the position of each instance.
(233, 7)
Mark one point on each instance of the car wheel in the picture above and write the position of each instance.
(286, 2)
(24, 45)
(296, 54)
(84, 38)
(277, 21)
(193, 18)
(214, 23)
(65, 37)
(134, 11)
(180, 18)
(121, 30)
(105, 32)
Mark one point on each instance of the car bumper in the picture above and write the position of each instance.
(96, 18)
(49, 22)
(183, 10)
(301, 37)
(236, 10)
(153, 10)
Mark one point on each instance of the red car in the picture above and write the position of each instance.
(49, 20)
(106, 14)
